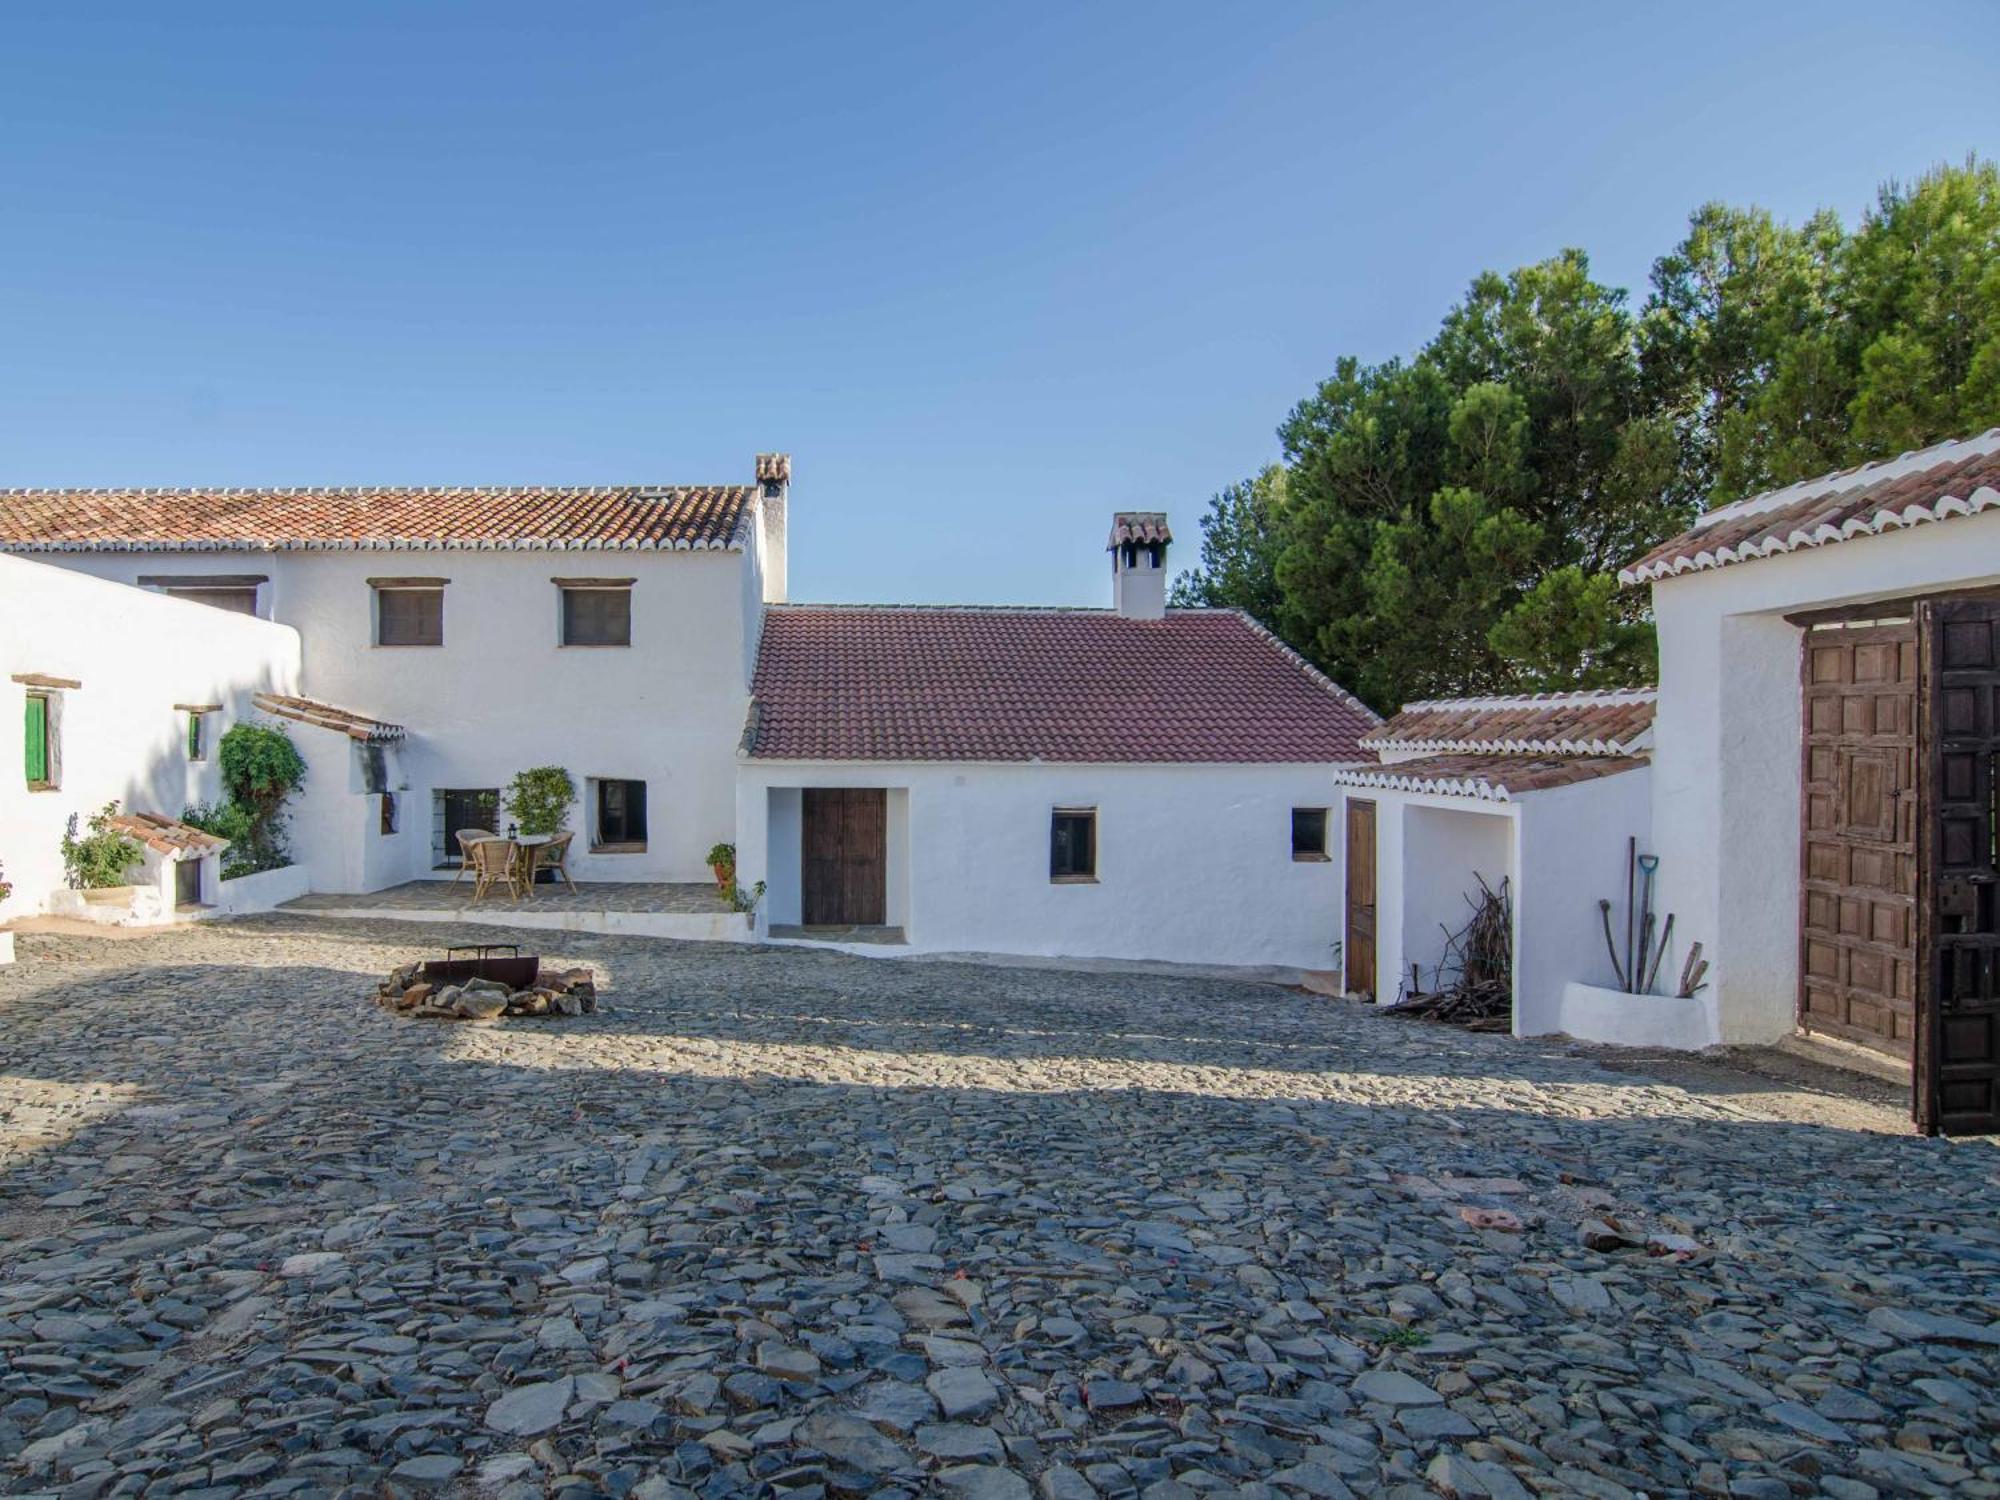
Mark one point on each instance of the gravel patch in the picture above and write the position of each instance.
(784, 1222)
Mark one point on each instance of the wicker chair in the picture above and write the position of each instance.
(494, 861)
(467, 837)
(554, 855)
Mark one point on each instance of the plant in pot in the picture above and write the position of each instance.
(538, 801)
(98, 860)
(722, 860)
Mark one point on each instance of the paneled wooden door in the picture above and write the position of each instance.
(1958, 1020)
(1358, 952)
(1858, 866)
(845, 857)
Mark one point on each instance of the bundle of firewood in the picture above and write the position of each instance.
(1473, 984)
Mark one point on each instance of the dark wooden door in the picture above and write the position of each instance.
(1858, 866)
(1957, 1088)
(187, 882)
(846, 858)
(1358, 954)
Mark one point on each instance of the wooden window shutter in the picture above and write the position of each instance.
(37, 745)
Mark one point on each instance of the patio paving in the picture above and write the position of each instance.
(594, 895)
(787, 1221)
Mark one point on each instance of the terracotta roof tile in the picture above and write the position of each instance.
(1492, 778)
(1932, 484)
(164, 835)
(1615, 722)
(326, 716)
(965, 684)
(1140, 527)
(621, 516)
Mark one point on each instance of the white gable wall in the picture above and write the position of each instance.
(137, 654)
(1194, 863)
(1727, 735)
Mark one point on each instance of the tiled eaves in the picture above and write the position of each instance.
(167, 836)
(1944, 481)
(1608, 721)
(1489, 778)
(326, 716)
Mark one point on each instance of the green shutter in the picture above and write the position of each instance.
(38, 739)
(194, 736)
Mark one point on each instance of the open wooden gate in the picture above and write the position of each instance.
(1857, 937)
(1957, 1084)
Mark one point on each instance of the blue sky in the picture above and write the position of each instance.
(988, 273)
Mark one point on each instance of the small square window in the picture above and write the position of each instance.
(409, 616)
(1309, 833)
(597, 617)
(1073, 844)
(621, 816)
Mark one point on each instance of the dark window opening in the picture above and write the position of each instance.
(39, 743)
(388, 824)
(409, 617)
(621, 815)
(1073, 844)
(1309, 833)
(597, 617)
(456, 810)
(236, 601)
(187, 882)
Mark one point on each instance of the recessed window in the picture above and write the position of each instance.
(1309, 833)
(235, 592)
(621, 816)
(39, 742)
(596, 613)
(1073, 844)
(408, 613)
(388, 823)
(197, 741)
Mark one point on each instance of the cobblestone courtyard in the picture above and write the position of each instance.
(780, 1221)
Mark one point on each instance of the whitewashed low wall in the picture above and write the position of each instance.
(1591, 1013)
(6, 947)
(267, 890)
(113, 906)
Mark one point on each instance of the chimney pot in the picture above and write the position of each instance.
(1138, 547)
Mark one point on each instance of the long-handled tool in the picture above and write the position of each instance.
(1610, 942)
(1666, 936)
(1631, 903)
(1648, 863)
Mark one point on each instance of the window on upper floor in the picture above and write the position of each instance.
(596, 611)
(1309, 834)
(235, 592)
(1073, 845)
(408, 611)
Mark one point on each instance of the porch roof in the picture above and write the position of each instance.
(167, 836)
(344, 721)
(1490, 778)
(1610, 722)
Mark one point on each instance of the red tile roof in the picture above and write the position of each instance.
(1612, 722)
(1932, 484)
(326, 716)
(164, 835)
(621, 517)
(965, 684)
(1493, 778)
(1139, 527)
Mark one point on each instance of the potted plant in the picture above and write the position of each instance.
(96, 862)
(722, 860)
(538, 802)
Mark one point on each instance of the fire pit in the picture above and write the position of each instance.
(486, 983)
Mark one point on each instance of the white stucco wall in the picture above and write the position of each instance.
(137, 654)
(1194, 862)
(502, 694)
(1726, 763)
(1446, 851)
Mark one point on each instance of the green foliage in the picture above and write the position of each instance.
(236, 823)
(261, 767)
(538, 800)
(723, 856)
(6, 888)
(98, 859)
(745, 901)
(1451, 522)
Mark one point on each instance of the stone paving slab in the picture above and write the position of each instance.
(782, 1221)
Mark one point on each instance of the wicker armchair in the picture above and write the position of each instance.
(495, 861)
(467, 837)
(554, 855)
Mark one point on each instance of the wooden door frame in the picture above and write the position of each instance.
(1350, 807)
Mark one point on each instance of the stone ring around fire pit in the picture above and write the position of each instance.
(486, 987)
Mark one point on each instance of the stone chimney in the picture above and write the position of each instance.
(1138, 547)
(774, 488)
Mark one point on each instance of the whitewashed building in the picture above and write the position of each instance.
(1536, 798)
(1138, 782)
(1824, 782)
